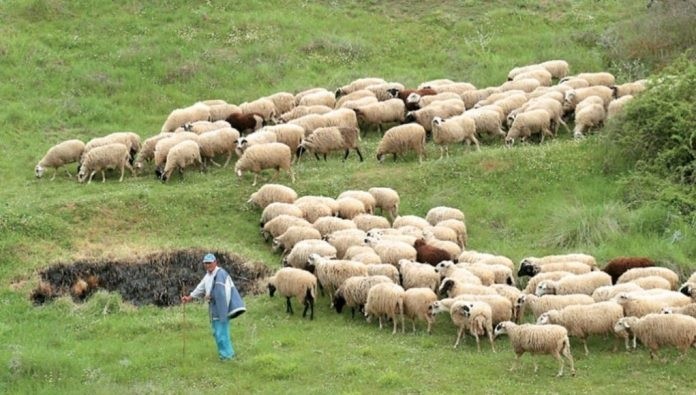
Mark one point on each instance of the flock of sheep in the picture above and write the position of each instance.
(394, 267)
(273, 131)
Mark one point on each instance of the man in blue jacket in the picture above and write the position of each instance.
(215, 287)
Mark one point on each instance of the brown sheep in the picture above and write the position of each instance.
(428, 254)
(617, 266)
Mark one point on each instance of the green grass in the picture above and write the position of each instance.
(74, 69)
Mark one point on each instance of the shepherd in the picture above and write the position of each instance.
(224, 303)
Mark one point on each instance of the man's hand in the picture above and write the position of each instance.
(186, 299)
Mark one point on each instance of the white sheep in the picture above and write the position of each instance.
(608, 292)
(541, 74)
(538, 339)
(454, 130)
(599, 78)
(442, 213)
(200, 127)
(667, 274)
(277, 208)
(442, 233)
(391, 251)
(418, 275)
(288, 134)
(300, 95)
(575, 284)
(255, 138)
(292, 236)
(443, 109)
(416, 302)
(344, 239)
(291, 282)
(402, 139)
(589, 117)
(221, 111)
(331, 273)
(381, 269)
(300, 252)
(181, 116)
(689, 309)
(390, 111)
(534, 281)
(639, 304)
(558, 68)
(320, 98)
(584, 320)
(459, 227)
(501, 307)
(470, 98)
(575, 96)
(182, 155)
(353, 292)
(487, 121)
(163, 146)
(365, 197)
(616, 106)
(328, 225)
(528, 123)
(368, 221)
(265, 156)
(386, 299)
(436, 82)
(328, 139)
(479, 319)
(147, 151)
(301, 111)
(280, 224)
(422, 101)
(354, 97)
(271, 193)
(652, 282)
(61, 154)
(629, 88)
(283, 101)
(451, 288)
(358, 84)
(330, 202)
(657, 330)
(533, 268)
(525, 85)
(541, 304)
(99, 159)
(313, 209)
(264, 107)
(218, 142)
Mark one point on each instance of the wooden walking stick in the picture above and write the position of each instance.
(183, 325)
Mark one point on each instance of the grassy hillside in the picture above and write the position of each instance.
(75, 69)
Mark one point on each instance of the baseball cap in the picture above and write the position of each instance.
(209, 258)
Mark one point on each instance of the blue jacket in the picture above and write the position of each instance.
(225, 301)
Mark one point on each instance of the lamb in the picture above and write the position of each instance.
(181, 116)
(657, 330)
(218, 142)
(265, 156)
(616, 106)
(689, 309)
(584, 320)
(664, 272)
(300, 252)
(379, 113)
(538, 339)
(291, 282)
(301, 111)
(619, 265)
(358, 84)
(61, 154)
(280, 224)
(245, 123)
(528, 123)
(292, 236)
(283, 101)
(272, 193)
(184, 154)
(629, 88)
(417, 275)
(591, 116)
(416, 302)
(390, 251)
(331, 273)
(442, 109)
(328, 225)
(110, 156)
(454, 130)
(368, 221)
(478, 316)
(487, 122)
(385, 299)
(429, 254)
(578, 284)
(321, 98)
(402, 139)
(353, 292)
(541, 304)
(328, 139)
(264, 107)
(278, 208)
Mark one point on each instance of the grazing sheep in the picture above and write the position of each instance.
(501, 307)
(59, 155)
(330, 202)
(573, 83)
(292, 236)
(689, 309)
(344, 239)
(331, 273)
(591, 116)
(300, 252)
(629, 88)
(403, 94)
(459, 228)
(442, 233)
(652, 282)
(181, 116)
(288, 134)
(245, 123)
(313, 209)
(200, 127)
(538, 339)
(218, 142)
(558, 68)
(353, 292)
(283, 101)
(418, 275)
(528, 123)
(534, 281)
(265, 156)
(575, 96)
(415, 101)
(443, 109)
(619, 265)
(184, 154)
(416, 302)
(584, 320)
(470, 98)
(357, 85)
(368, 221)
(533, 268)
(454, 130)
(478, 315)
(221, 111)
(600, 78)
(525, 85)
(381, 269)
(390, 111)
(391, 251)
(657, 330)
(616, 106)
(129, 139)
(366, 198)
(358, 95)
(256, 138)
(263, 107)
(541, 304)
(382, 92)
(487, 121)
(320, 98)
(402, 139)
(608, 292)
(301, 111)
(522, 69)
(147, 151)
(454, 87)
(291, 282)
(349, 207)
(442, 213)
(574, 257)
(386, 299)
(410, 220)
(328, 225)
(542, 75)
(164, 145)
(280, 224)
(328, 139)
(451, 288)
(576, 284)
(110, 156)
(428, 254)
(639, 304)
(272, 193)
(664, 272)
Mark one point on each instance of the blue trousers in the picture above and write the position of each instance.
(221, 333)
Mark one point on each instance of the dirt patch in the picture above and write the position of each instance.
(158, 279)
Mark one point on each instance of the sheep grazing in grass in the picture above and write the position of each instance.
(355, 96)
(99, 159)
(663, 272)
(629, 88)
(182, 155)
(533, 268)
(616, 106)
(657, 330)
(292, 236)
(589, 117)
(265, 156)
(288, 134)
(164, 145)
(386, 299)
(402, 139)
(328, 139)
(272, 193)
(365, 197)
(331, 273)
(59, 155)
(280, 224)
(264, 107)
(639, 304)
(278, 208)
(328, 225)
(608, 292)
(528, 123)
(542, 75)
(418, 275)
(541, 304)
(478, 315)
(619, 265)
(575, 284)
(390, 111)
(301, 111)
(245, 123)
(218, 142)
(358, 84)
(369, 221)
(538, 339)
(200, 127)
(416, 302)
(291, 282)
(283, 101)
(584, 320)
(558, 68)
(487, 122)
(689, 309)
(147, 151)
(443, 109)
(353, 292)
(181, 116)
(454, 130)
(429, 254)
(300, 252)
(320, 98)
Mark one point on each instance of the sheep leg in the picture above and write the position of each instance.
(396, 324)
(316, 156)
(380, 321)
(121, 179)
(490, 339)
(215, 163)
(476, 142)
(584, 343)
(515, 362)
(292, 175)
(459, 337)
(359, 153)
(90, 176)
(560, 363)
(324, 157)
(256, 175)
(478, 344)
(442, 152)
(54, 173)
(288, 305)
(346, 154)
(569, 357)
